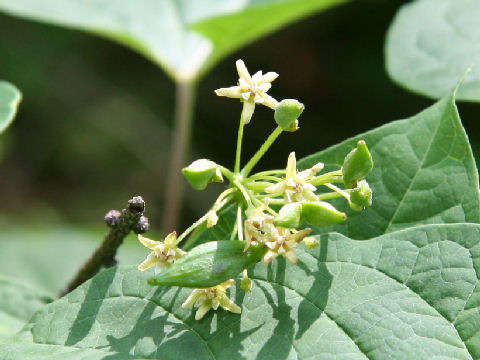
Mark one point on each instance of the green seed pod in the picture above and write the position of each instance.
(202, 172)
(357, 164)
(209, 264)
(361, 196)
(289, 215)
(287, 112)
(320, 213)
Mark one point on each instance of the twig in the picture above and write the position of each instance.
(120, 223)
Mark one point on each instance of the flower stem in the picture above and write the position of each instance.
(202, 219)
(239, 146)
(260, 152)
(185, 101)
(239, 223)
(333, 176)
(338, 190)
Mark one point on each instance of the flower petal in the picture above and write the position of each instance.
(269, 101)
(268, 77)
(257, 76)
(291, 256)
(149, 262)
(231, 92)
(247, 112)
(243, 72)
(229, 305)
(202, 310)
(148, 243)
(192, 298)
(291, 166)
(171, 239)
(276, 188)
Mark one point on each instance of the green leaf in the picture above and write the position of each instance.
(17, 304)
(162, 30)
(9, 99)
(411, 294)
(424, 173)
(48, 257)
(431, 44)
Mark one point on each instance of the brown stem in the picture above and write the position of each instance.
(185, 101)
(120, 223)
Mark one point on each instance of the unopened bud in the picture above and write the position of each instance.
(212, 219)
(112, 218)
(357, 164)
(202, 172)
(142, 226)
(287, 113)
(361, 196)
(320, 213)
(289, 215)
(311, 242)
(246, 284)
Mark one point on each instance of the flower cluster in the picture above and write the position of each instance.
(274, 207)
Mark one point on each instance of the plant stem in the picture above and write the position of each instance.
(333, 176)
(236, 169)
(185, 102)
(338, 190)
(192, 227)
(120, 223)
(260, 152)
(239, 223)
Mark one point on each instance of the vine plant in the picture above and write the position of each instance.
(272, 206)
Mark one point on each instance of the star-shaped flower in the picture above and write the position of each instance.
(282, 243)
(251, 90)
(296, 187)
(163, 254)
(211, 298)
(258, 226)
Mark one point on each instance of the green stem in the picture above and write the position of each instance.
(258, 186)
(333, 176)
(227, 173)
(200, 221)
(244, 192)
(268, 172)
(338, 190)
(185, 101)
(263, 149)
(236, 169)
(327, 196)
(239, 223)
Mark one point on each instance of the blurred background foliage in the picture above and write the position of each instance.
(95, 123)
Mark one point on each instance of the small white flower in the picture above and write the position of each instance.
(296, 187)
(211, 298)
(251, 90)
(163, 254)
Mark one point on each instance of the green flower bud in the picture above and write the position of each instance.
(361, 196)
(357, 164)
(287, 112)
(289, 215)
(246, 284)
(202, 172)
(320, 213)
(311, 242)
(209, 264)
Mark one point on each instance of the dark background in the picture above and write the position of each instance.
(95, 122)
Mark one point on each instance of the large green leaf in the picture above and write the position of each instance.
(431, 44)
(48, 257)
(9, 100)
(411, 294)
(162, 30)
(17, 304)
(424, 173)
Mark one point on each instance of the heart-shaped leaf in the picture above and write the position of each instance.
(9, 99)
(407, 294)
(17, 304)
(431, 44)
(424, 173)
(163, 31)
